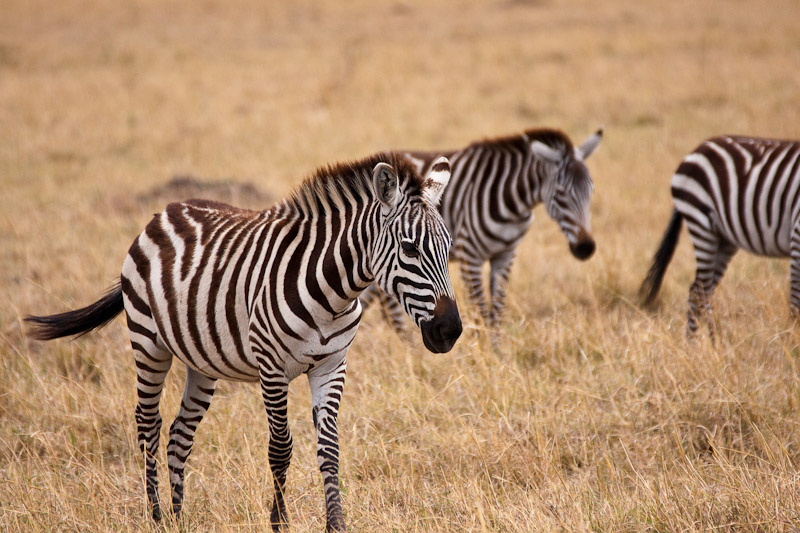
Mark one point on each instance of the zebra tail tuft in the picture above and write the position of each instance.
(652, 283)
(79, 321)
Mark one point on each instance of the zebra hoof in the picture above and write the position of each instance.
(335, 525)
(278, 519)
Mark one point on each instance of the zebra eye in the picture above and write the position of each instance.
(409, 248)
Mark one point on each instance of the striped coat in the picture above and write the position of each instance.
(266, 296)
(488, 205)
(733, 192)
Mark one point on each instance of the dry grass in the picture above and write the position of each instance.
(591, 415)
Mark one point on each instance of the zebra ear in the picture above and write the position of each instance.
(589, 145)
(385, 183)
(546, 152)
(434, 184)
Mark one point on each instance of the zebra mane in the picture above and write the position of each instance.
(551, 137)
(580, 181)
(334, 183)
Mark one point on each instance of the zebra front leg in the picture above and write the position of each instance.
(274, 392)
(327, 383)
(472, 273)
(152, 365)
(197, 395)
(498, 281)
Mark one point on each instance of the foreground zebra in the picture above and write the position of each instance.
(733, 192)
(267, 296)
(488, 206)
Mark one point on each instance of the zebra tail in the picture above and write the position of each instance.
(79, 321)
(652, 283)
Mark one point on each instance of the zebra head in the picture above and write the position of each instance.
(567, 189)
(410, 262)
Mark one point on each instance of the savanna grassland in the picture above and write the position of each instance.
(589, 413)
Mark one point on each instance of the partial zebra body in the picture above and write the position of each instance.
(733, 192)
(488, 206)
(215, 331)
(266, 296)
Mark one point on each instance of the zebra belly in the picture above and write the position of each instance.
(303, 356)
(216, 368)
(225, 359)
(766, 241)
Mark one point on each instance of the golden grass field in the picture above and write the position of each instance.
(590, 414)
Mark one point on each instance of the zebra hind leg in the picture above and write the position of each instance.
(152, 365)
(197, 395)
(711, 267)
(699, 306)
(326, 391)
(712, 254)
(390, 308)
(393, 313)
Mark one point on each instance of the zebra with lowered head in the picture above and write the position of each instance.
(733, 192)
(488, 206)
(266, 296)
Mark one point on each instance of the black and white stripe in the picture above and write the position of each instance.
(267, 296)
(488, 206)
(733, 192)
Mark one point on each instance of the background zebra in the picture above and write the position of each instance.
(488, 206)
(734, 192)
(266, 296)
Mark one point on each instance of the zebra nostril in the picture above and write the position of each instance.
(583, 250)
(450, 329)
(443, 330)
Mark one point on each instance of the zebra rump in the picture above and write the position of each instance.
(734, 192)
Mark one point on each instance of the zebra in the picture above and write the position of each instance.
(266, 296)
(488, 207)
(734, 192)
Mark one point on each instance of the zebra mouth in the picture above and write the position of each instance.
(440, 333)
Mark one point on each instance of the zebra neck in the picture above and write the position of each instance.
(339, 252)
(535, 184)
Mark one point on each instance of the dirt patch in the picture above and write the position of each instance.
(185, 186)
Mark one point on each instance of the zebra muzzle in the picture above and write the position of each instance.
(441, 332)
(584, 246)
